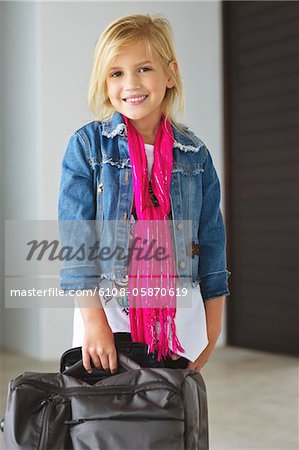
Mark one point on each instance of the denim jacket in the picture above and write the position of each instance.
(96, 185)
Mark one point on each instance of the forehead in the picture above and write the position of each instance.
(135, 52)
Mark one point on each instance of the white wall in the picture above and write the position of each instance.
(47, 58)
(19, 130)
(1, 183)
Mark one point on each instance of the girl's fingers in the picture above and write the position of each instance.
(174, 356)
(87, 357)
(105, 362)
(196, 366)
(96, 361)
(86, 361)
(100, 358)
(113, 362)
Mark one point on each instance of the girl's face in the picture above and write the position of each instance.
(134, 75)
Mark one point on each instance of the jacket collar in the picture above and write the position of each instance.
(116, 126)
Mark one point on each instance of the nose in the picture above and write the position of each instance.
(132, 82)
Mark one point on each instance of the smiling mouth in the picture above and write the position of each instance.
(136, 100)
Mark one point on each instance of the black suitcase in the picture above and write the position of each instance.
(137, 409)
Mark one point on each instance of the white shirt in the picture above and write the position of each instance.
(190, 316)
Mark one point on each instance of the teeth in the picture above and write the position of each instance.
(138, 99)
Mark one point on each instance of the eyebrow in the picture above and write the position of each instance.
(139, 64)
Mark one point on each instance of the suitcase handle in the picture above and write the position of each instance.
(138, 351)
(77, 370)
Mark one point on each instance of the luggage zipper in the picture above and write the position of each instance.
(78, 421)
(45, 406)
(97, 389)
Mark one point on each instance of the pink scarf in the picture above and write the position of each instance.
(157, 275)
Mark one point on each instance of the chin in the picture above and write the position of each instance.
(134, 115)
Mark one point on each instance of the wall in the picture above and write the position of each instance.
(20, 134)
(1, 184)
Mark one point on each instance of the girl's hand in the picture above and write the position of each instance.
(202, 358)
(99, 345)
(214, 308)
(174, 356)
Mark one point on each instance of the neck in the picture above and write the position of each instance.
(148, 129)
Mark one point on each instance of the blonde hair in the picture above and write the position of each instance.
(155, 32)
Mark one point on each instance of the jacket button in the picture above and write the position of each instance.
(100, 188)
(183, 264)
(193, 249)
(180, 225)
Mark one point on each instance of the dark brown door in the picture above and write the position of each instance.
(261, 87)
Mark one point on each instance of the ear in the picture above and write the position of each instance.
(173, 65)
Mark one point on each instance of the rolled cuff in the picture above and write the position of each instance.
(79, 278)
(214, 285)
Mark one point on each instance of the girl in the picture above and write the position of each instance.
(136, 163)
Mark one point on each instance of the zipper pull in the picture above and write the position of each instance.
(42, 404)
(74, 421)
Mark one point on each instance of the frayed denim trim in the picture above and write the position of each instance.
(93, 161)
(188, 172)
(112, 276)
(121, 274)
(121, 130)
(119, 164)
(186, 148)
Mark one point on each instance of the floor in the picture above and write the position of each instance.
(252, 397)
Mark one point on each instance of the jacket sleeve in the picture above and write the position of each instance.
(213, 274)
(76, 216)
